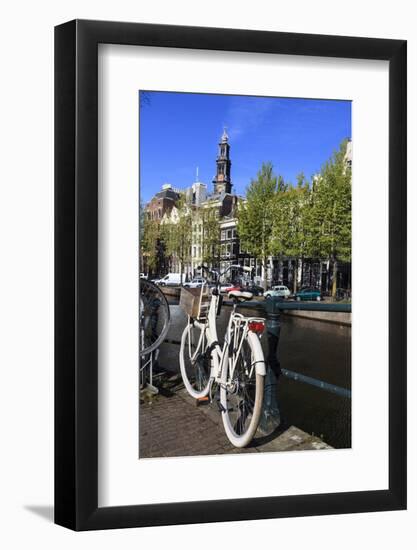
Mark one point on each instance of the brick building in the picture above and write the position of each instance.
(162, 202)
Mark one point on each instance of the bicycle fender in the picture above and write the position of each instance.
(260, 365)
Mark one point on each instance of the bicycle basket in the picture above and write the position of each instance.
(195, 302)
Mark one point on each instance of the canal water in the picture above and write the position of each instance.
(314, 348)
(323, 351)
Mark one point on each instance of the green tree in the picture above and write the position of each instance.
(150, 244)
(289, 231)
(211, 237)
(330, 215)
(255, 216)
(177, 234)
(142, 217)
(279, 230)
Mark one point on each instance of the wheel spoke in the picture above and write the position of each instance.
(241, 390)
(196, 366)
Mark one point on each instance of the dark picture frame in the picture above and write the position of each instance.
(76, 274)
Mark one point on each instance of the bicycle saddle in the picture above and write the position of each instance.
(241, 295)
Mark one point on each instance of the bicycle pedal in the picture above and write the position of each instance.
(202, 401)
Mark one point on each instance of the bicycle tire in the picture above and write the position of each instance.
(195, 373)
(152, 302)
(238, 432)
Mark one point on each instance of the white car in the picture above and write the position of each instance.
(198, 282)
(226, 287)
(172, 279)
(278, 290)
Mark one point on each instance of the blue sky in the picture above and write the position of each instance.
(180, 131)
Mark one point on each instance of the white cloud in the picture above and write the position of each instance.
(246, 115)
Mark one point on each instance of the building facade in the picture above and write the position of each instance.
(162, 202)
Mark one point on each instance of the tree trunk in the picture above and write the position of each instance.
(328, 281)
(334, 281)
(264, 273)
(294, 275)
(302, 272)
(321, 277)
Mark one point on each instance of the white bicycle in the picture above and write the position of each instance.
(237, 367)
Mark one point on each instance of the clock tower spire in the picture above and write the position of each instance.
(222, 180)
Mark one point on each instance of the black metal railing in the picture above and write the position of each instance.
(273, 307)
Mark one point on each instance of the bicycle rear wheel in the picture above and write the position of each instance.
(242, 396)
(195, 362)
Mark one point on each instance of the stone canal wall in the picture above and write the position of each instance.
(338, 317)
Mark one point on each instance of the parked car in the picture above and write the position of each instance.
(143, 276)
(227, 287)
(308, 294)
(172, 279)
(278, 290)
(197, 282)
(255, 289)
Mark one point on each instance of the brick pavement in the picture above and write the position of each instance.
(172, 425)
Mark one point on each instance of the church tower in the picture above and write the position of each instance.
(222, 181)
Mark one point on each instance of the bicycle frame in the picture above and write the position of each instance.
(237, 330)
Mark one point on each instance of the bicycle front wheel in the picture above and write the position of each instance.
(154, 317)
(195, 362)
(242, 396)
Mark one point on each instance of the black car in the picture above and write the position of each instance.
(255, 289)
